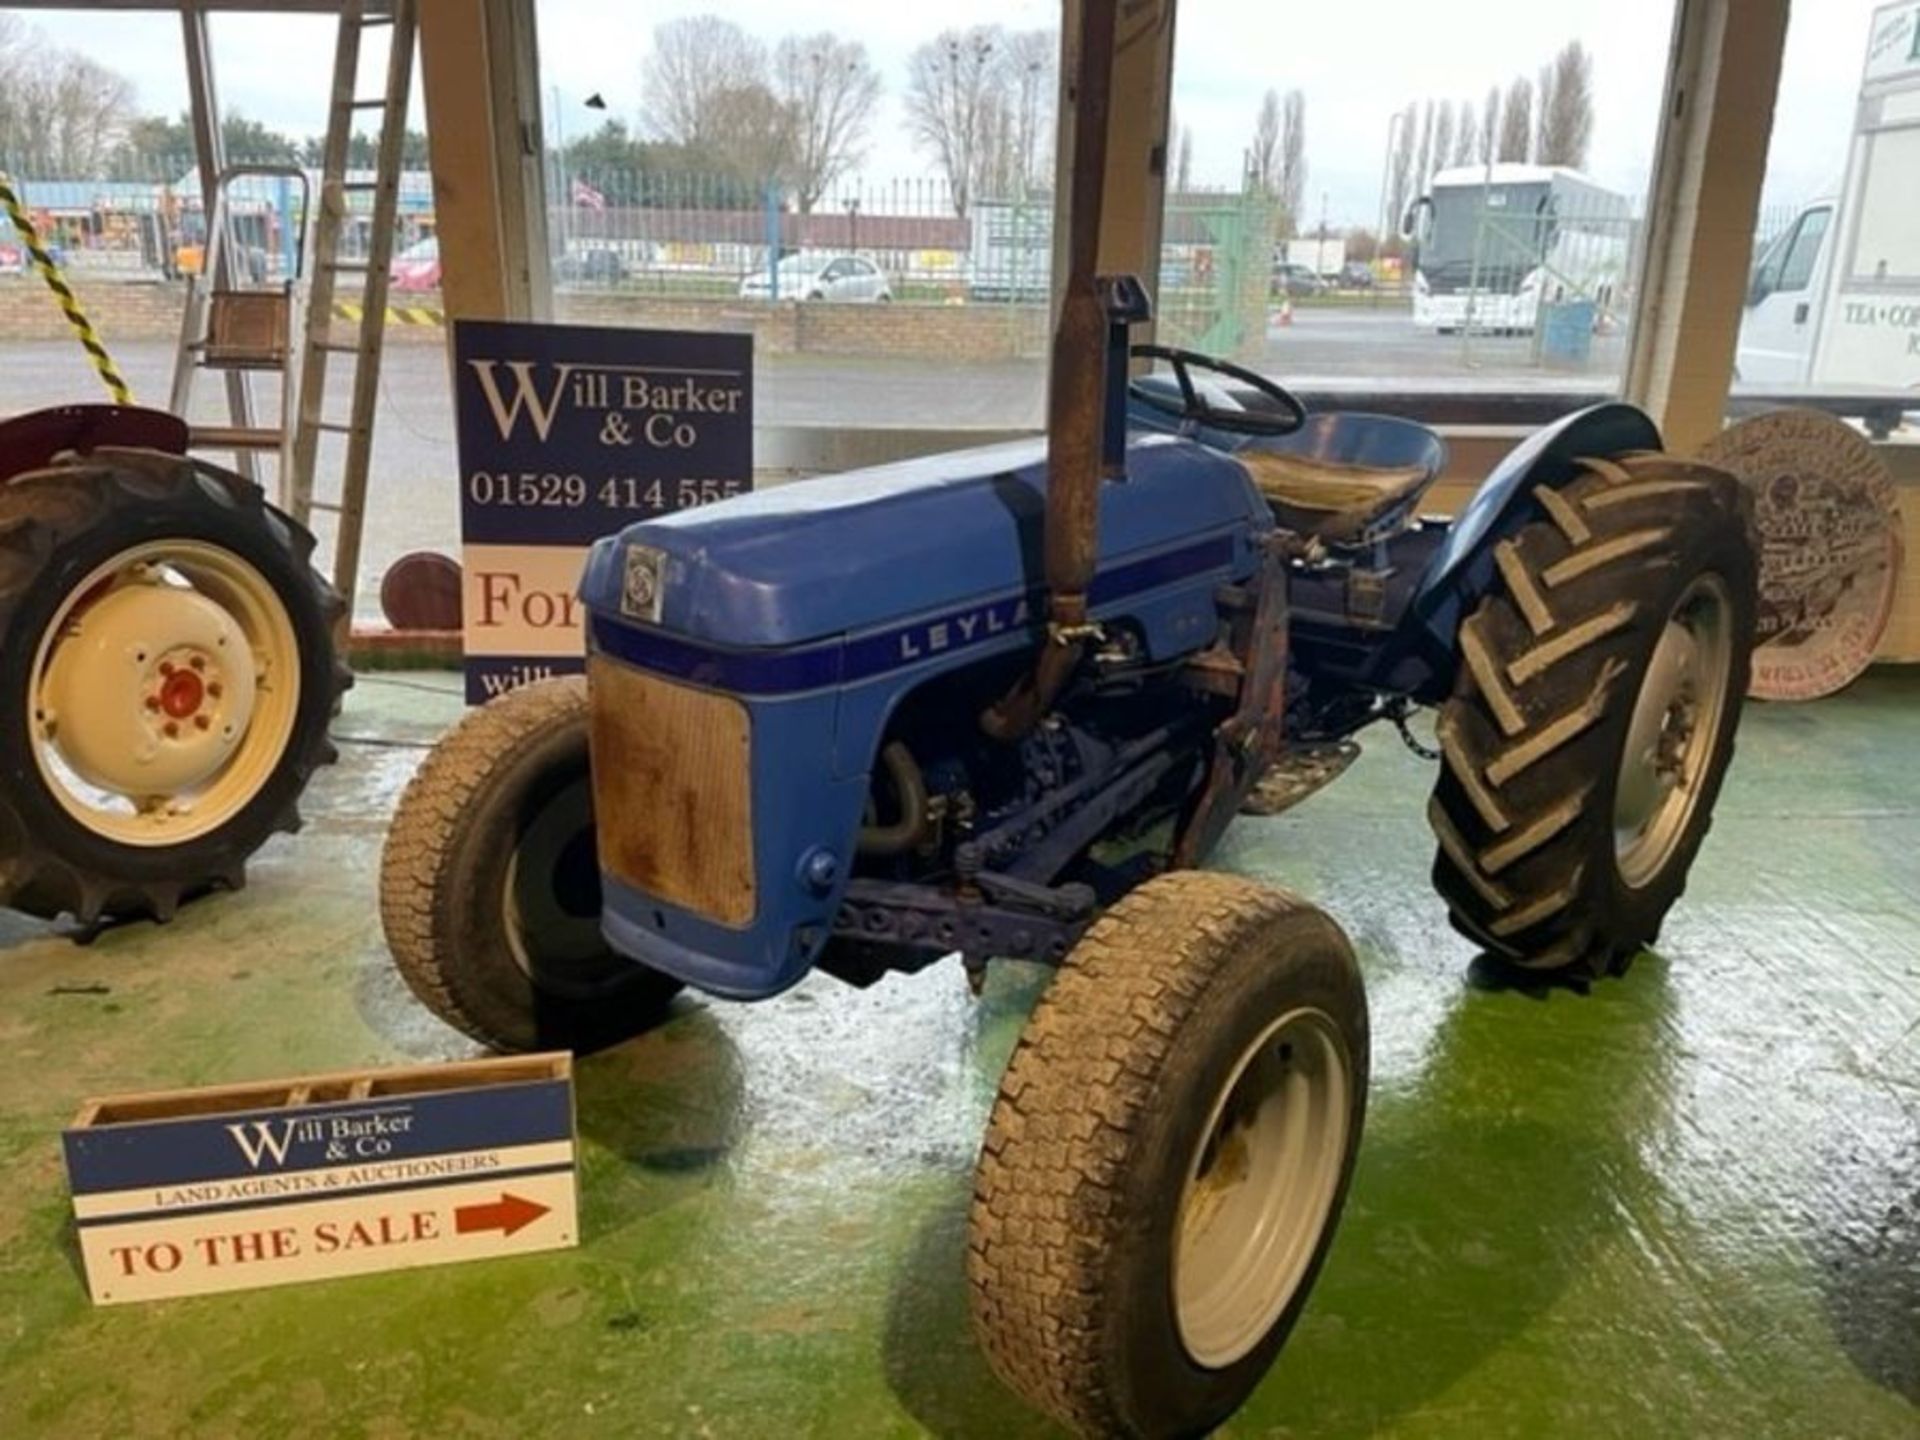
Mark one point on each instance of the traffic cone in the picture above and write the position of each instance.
(1286, 310)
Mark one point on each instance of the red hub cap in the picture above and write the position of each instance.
(181, 693)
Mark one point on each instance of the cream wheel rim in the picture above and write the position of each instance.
(164, 692)
(1260, 1187)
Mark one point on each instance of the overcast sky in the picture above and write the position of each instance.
(1355, 63)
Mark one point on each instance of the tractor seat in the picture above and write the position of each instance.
(1341, 476)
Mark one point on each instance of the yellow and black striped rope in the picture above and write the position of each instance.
(76, 317)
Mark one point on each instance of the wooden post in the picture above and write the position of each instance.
(1724, 70)
(479, 69)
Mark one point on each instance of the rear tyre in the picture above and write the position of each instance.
(490, 885)
(1168, 1156)
(1593, 717)
(167, 679)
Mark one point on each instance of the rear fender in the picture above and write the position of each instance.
(31, 441)
(1422, 659)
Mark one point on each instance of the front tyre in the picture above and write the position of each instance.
(490, 884)
(1168, 1156)
(1593, 717)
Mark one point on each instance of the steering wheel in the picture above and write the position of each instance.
(1192, 409)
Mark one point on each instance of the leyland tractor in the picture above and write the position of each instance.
(1001, 704)
(863, 723)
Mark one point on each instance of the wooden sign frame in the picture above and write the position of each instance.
(231, 1187)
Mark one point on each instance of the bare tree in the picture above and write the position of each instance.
(829, 89)
(1442, 134)
(1516, 121)
(1490, 125)
(1466, 134)
(1566, 108)
(59, 110)
(1404, 189)
(950, 88)
(1293, 156)
(1028, 69)
(1263, 154)
(694, 61)
(1423, 167)
(749, 135)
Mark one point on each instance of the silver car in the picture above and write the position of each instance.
(822, 277)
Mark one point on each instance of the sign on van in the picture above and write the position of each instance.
(568, 433)
(188, 1192)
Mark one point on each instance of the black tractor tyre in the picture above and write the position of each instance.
(71, 521)
(1603, 672)
(490, 884)
(1126, 1128)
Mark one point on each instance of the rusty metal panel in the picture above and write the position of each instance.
(672, 792)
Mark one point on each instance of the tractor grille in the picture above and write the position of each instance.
(671, 791)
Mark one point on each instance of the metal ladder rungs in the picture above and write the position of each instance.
(236, 437)
(337, 347)
(350, 265)
(379, 104)
(325, 507)
(359, 184)
(335, 428)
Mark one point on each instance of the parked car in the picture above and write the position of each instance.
(1355, 275)
(822, 277)
(417, 267)
(1297, 280)
(597, 266)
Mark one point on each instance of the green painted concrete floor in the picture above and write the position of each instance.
(1687, 1204)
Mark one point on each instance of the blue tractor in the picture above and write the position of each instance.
(1002, 703)
(847, 724)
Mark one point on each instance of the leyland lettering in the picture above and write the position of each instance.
(635, 405)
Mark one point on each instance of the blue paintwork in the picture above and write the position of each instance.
(959, 584)
(822, 605)
(778, 567)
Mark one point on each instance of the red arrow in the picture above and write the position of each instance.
(508, 1214)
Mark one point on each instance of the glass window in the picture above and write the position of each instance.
(1804, 252)
(1454, 206)
(913, 152)
(1841, 167)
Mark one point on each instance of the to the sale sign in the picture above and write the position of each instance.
(188, 1192)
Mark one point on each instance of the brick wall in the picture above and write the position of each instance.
(118, 311)
(955, 333)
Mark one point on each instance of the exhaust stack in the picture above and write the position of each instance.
(1076, 392)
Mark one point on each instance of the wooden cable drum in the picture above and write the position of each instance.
(1828, 525)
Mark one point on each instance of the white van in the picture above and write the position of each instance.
(1835, 298)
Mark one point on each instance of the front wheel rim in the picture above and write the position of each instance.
(1260, 1187)
(164, 692)
(550, 912)
(1673, 738)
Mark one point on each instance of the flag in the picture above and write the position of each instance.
(588, 198)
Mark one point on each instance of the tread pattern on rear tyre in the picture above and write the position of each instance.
(426, 821)
(1044, 1198)
(1545, 666)
(42, 510)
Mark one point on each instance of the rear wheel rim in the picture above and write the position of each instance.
(1260, 1187)
(175, 669)
(1673, 738)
